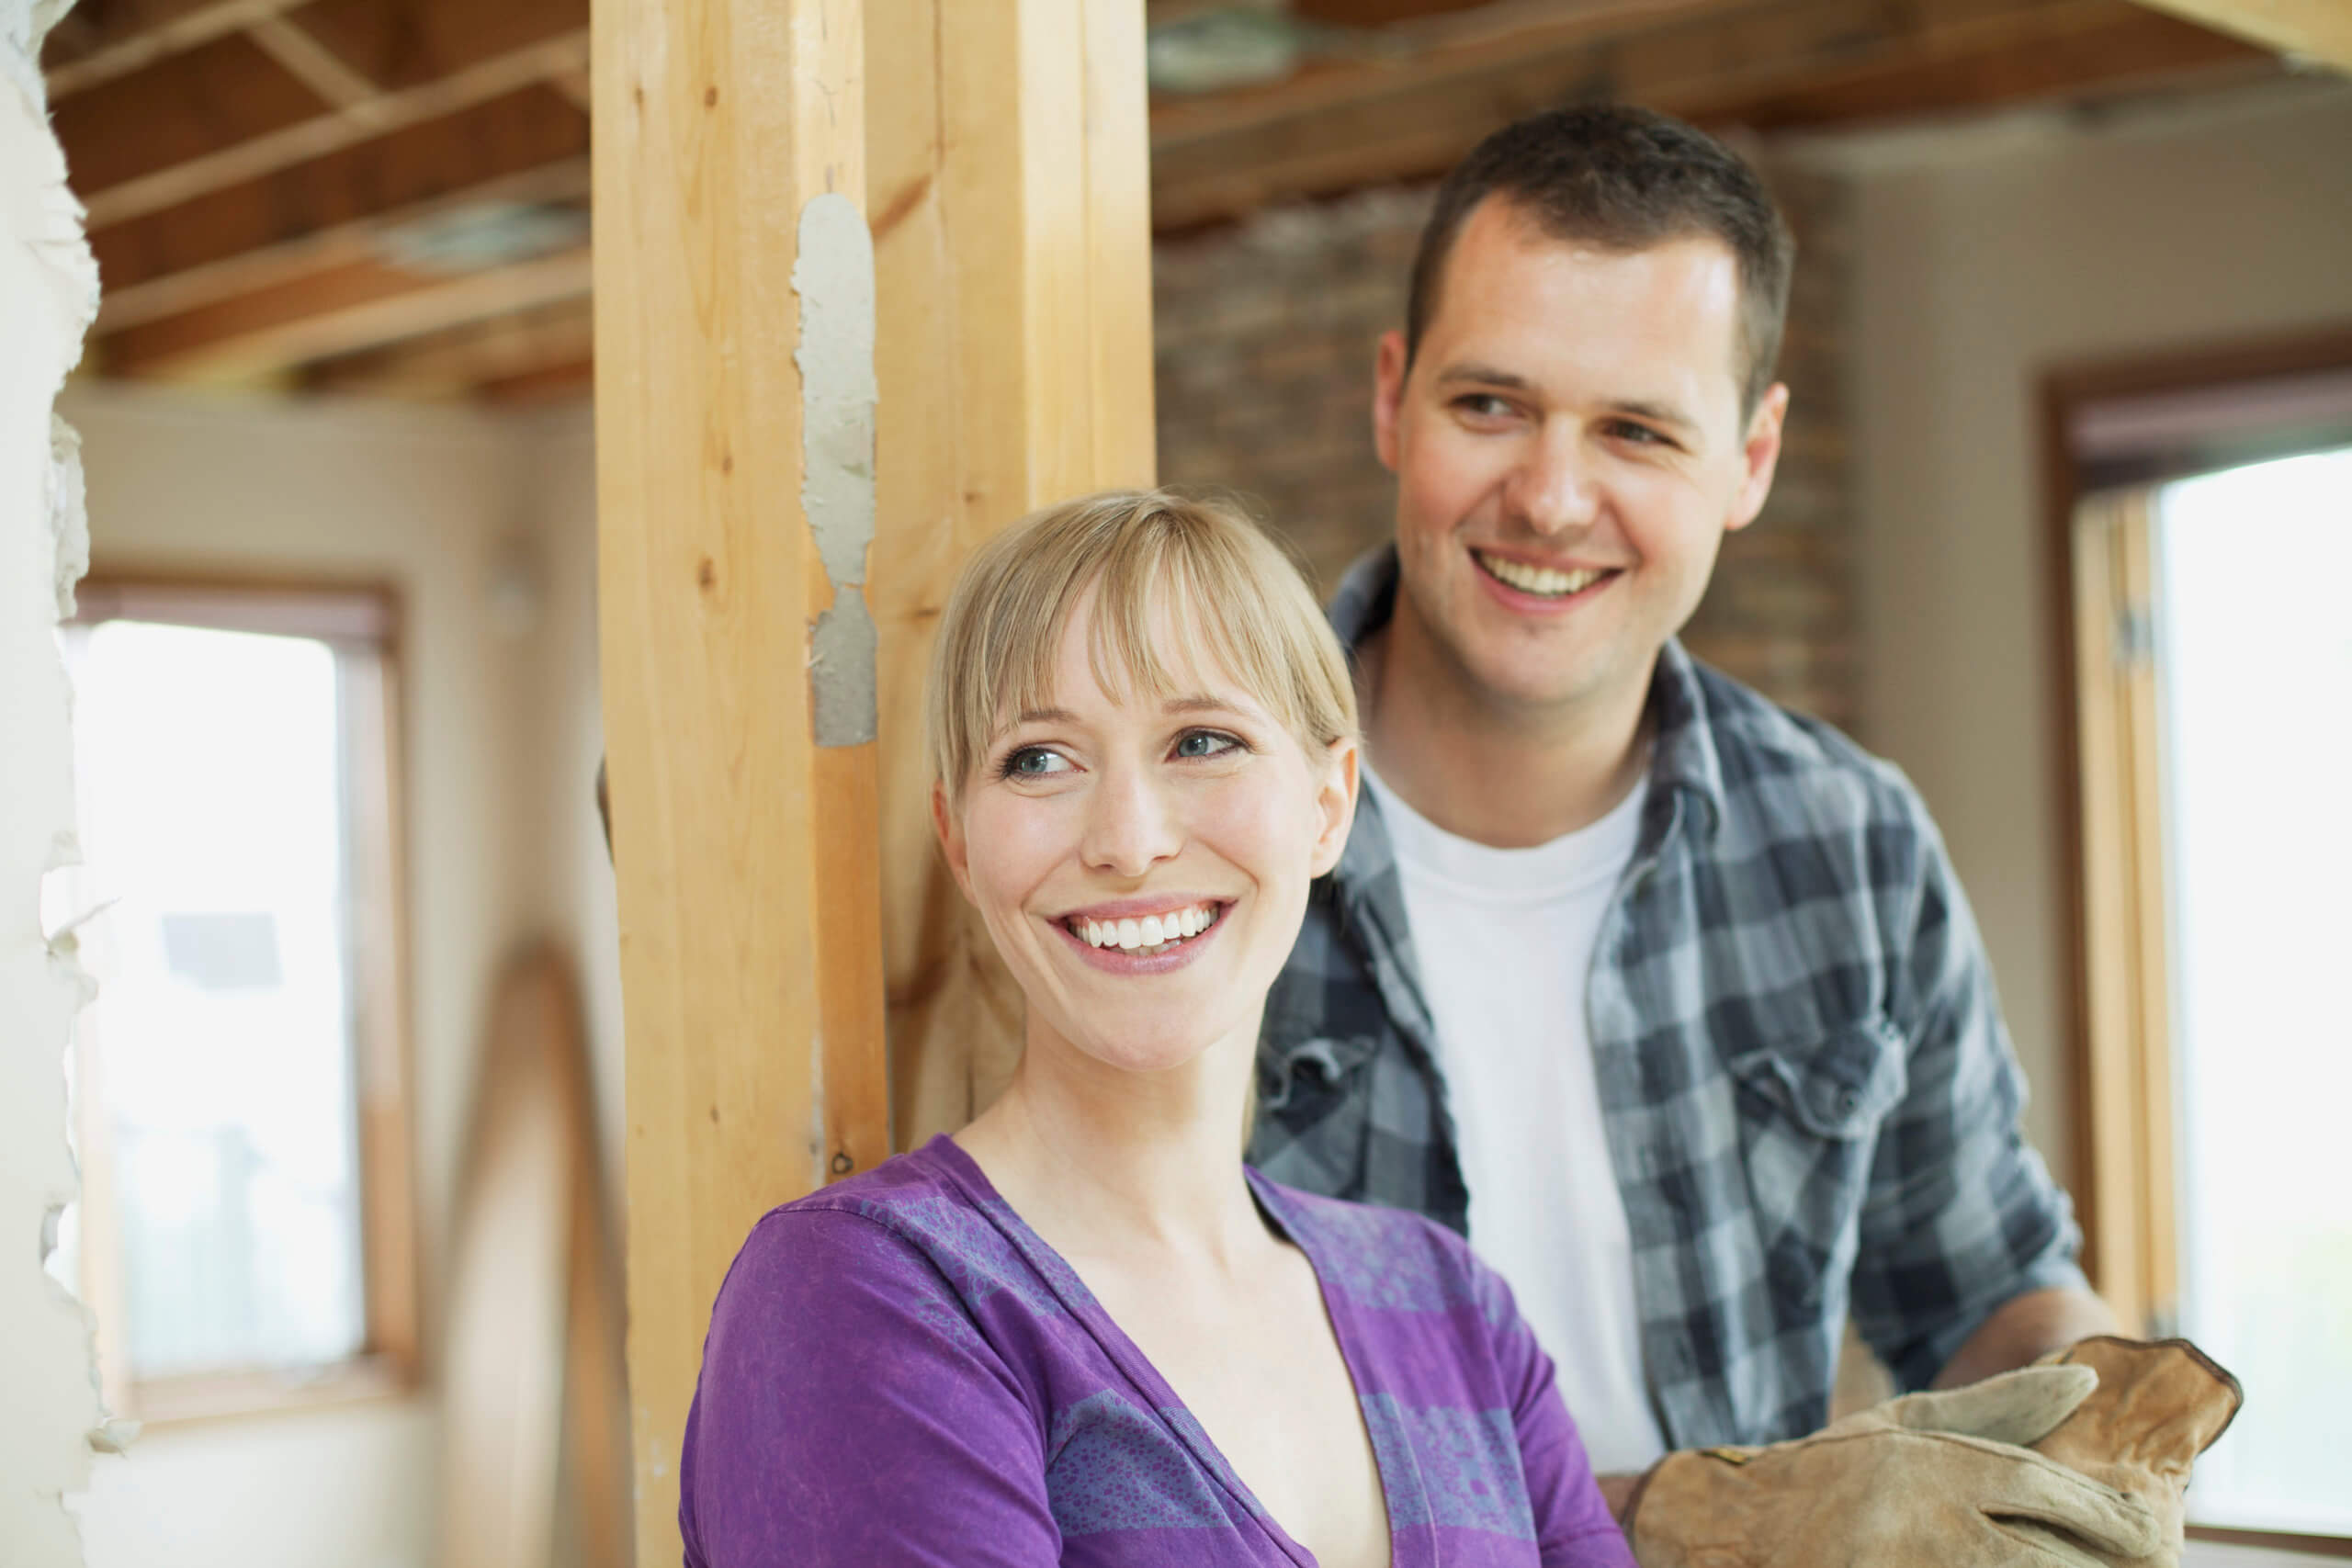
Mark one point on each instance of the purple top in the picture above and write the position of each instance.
(901, 1372)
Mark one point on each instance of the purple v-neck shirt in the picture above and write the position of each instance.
(900, 1371)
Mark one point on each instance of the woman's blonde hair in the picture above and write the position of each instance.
(1204, 561)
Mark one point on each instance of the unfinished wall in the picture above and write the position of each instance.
(1266, 334)
(440, 503)
(1983, 258)
(48, 295)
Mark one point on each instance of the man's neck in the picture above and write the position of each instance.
(1510, 777)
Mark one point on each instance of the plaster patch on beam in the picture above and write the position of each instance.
(50, 284)
(834, 275)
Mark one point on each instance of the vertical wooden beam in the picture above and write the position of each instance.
(745, 849)
(1009, 180)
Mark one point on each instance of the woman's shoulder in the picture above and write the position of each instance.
(926, 1211)
(1388, 1260)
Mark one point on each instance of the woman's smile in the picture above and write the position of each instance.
(1143, 936)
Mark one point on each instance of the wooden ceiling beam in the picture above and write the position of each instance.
(456, 362)
(2313, 29)
(352, 307)
(87, 52)
(316, 136)
(316, 66)
(528, 147)
(1715, 66)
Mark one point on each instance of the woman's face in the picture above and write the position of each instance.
(1143, 865)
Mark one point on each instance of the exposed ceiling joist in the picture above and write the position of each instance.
(330, 132)
(1748, 61)
(2313, 29)
(338, 312)
(130, 41)
(456, 362)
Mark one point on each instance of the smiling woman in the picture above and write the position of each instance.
(1080, 1331)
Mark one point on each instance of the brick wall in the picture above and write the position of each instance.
(1265, 339)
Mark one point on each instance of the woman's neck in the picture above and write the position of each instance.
(1122, 1165)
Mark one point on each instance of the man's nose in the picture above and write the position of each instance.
(1131, 823)
(1553, 490)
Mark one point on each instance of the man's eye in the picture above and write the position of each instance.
(1207, 743)
(1033, 761)
(1483, 405)
(1636, 434)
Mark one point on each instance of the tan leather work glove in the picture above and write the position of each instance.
(2158, 1406)
(1928, 1481)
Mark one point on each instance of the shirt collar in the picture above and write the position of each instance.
(1683, 758)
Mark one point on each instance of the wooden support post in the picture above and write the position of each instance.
(1011, 213)
(745, 849)
(1007, 172)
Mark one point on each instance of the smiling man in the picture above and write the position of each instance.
(1667, 995)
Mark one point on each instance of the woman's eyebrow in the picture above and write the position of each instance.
(1200, 701)
(1044, 715)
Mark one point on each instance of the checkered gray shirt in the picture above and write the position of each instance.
(1811, 1101)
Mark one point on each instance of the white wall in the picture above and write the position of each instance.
(48, 291)
(1985, 259)
(483, 528)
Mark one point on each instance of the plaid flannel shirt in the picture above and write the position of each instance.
(1811, 1104)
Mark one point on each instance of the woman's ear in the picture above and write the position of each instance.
(1335, 800)
(950, 829)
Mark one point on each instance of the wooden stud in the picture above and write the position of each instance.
(749, 924)
(1007, 188)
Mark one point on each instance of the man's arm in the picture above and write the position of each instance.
(2024, 1329)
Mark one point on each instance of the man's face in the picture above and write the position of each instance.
(1569, 453)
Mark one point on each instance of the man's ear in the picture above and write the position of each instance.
(1388, 372)
(952, 847)
(1760, 449)
(1335, 801)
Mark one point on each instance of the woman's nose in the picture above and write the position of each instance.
(1130, 824)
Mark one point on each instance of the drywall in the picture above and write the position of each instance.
(48, 295)
(1982, 261)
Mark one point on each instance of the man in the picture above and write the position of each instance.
(1667, 995)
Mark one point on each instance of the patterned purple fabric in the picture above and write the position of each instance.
(899, 1370)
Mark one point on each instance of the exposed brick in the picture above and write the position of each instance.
(1265, 337)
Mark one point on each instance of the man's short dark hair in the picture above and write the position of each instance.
(1623, 180)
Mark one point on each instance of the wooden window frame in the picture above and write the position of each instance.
(345, 614)
(2123, 1176)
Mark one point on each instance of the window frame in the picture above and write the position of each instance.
(360, 616)
(2118, 1043)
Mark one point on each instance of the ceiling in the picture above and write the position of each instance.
(390, 195)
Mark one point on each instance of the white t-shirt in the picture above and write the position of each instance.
(1505, 939)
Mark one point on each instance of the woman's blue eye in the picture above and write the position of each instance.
(1205, 743)
(1033, 761)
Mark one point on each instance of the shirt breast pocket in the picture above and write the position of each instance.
(1809, 1122)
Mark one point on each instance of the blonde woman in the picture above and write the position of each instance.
(1080, 1331)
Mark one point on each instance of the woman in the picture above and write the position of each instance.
(1080, 1331)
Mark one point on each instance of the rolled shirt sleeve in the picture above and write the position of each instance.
(1960, 1215)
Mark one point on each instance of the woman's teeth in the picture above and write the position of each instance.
(1152, 933)
(1541, 579)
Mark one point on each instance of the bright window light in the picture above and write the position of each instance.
(210, 768)
(2255, 662)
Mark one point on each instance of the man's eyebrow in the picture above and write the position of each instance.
(1484, 375)
(1655, 413)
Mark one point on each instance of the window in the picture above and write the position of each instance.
(2212, 677)
(244, 1232)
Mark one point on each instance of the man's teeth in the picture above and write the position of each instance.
(1541, 579)
(1151, 933)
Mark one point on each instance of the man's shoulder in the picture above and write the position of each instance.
(1786, 772)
